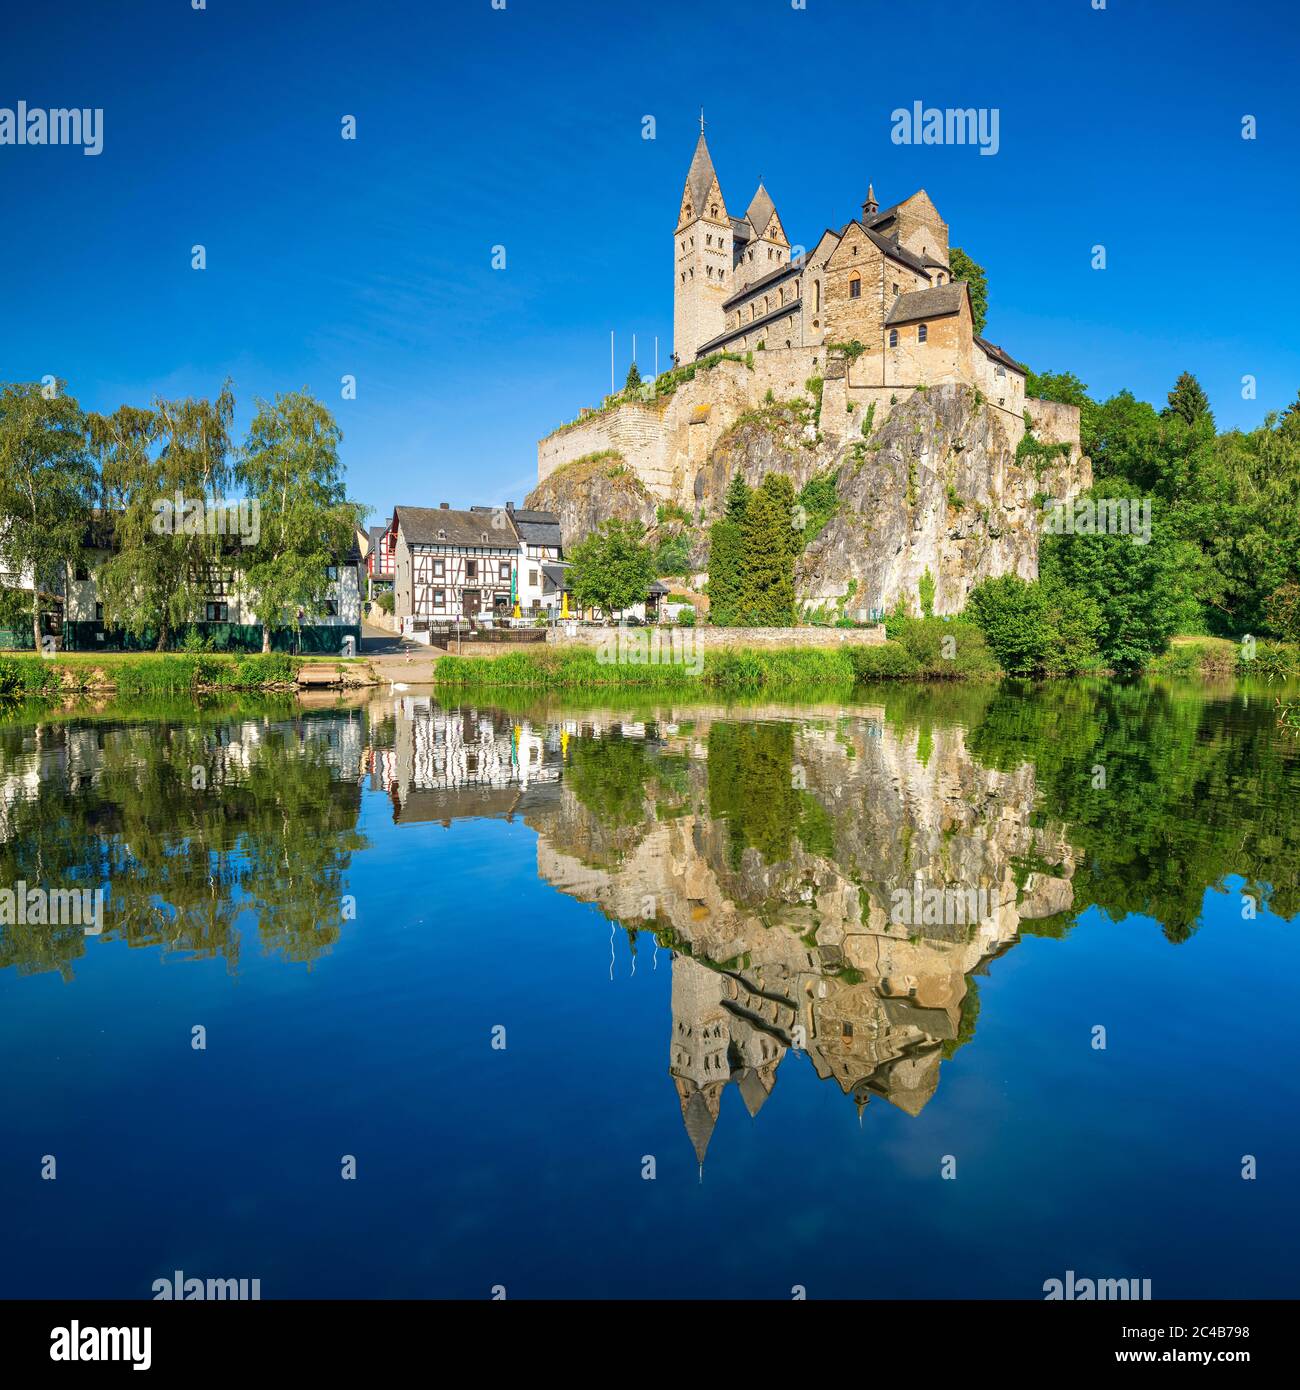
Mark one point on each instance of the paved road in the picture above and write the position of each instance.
(376, 641)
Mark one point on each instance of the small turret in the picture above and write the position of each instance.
(870, 207)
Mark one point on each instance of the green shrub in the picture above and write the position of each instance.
(890, 661)
(1012, 614)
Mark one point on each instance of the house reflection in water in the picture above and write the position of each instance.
(445, 764)
(766, 853)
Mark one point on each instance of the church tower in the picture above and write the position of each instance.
(702, 257)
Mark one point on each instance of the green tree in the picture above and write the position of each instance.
(1140, 590)
(613, 568)
(290, 468)
(633, 378)
(1187, 400)
(767, 545)
(163, 561)
(725, 557)
(964, 268)
(1012, 614)
(47, 489)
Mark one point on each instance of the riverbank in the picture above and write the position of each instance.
(163, 673)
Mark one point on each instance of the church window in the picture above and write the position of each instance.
(708, 240)
(941, 277)
(683, 277)
(817, 296)
(751, 255)
(921, 333)
(895, 286)
(855, 287)
(714, 210)
(893, 337)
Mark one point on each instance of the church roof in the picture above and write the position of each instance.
(789, 307)
(790, 268)
(899, 253)
(699, 1121)
(741, 229)
(996, 353)
(936, 302)
(761, 210)
(700, 175)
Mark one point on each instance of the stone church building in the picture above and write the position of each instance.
(882, 281)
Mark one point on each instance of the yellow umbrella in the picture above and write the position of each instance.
(564, 603)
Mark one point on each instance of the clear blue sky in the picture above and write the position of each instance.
(523, 127)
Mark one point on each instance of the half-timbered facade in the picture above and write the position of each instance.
(451, 565)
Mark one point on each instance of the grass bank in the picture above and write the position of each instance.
(146, 673)
(1210, 657)
(925, 650)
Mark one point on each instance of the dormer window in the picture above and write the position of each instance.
(442, 535)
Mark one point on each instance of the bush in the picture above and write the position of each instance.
(1012, 615)
(947, 648)
(888, 662)
(384, 599)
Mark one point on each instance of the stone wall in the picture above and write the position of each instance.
(732, 638)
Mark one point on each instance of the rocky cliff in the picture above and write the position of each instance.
(948, 483)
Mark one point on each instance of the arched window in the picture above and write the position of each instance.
(817, 296)
(921, 333)
(893, 337)
(855, 286)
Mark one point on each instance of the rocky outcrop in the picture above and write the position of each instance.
(940, 488)
(944, 484)
(591, 490)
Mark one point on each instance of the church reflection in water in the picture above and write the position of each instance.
(770, 852)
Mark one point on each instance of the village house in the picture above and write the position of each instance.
(74, 616)
(451, 565)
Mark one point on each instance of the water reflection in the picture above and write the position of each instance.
(765, 847)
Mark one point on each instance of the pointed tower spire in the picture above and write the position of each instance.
(700, 177)
(760, 210)
(870, 207)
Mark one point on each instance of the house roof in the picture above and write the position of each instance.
(537, 528)
(936, 302)
(553, 578)
(998, 354)
(448, 526)
(789, 307)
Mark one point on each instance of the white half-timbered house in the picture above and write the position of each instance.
(451, 565)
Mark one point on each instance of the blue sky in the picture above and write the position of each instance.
(522, 127)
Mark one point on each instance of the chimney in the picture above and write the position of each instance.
(442, 506)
